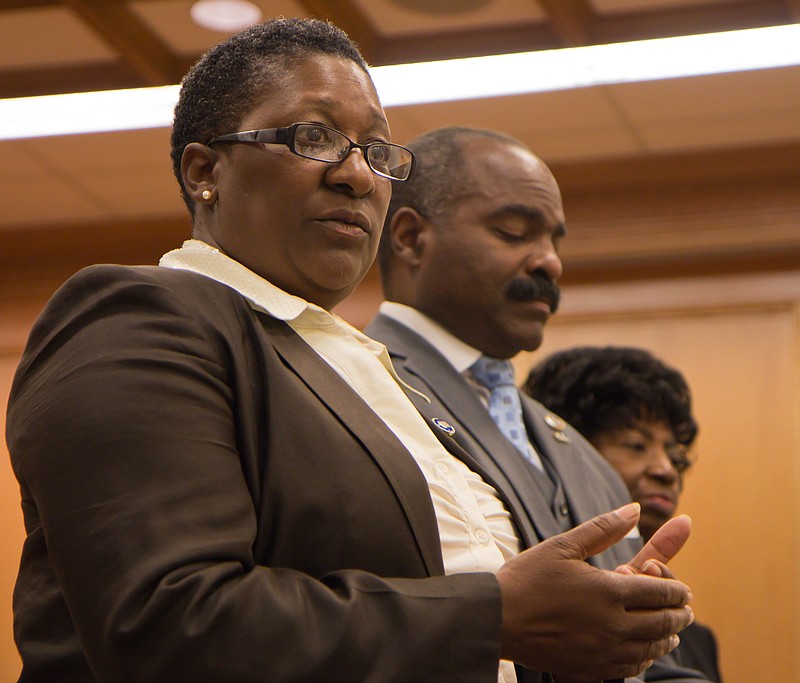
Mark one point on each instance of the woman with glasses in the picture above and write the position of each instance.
(222, 480)
(637, 411)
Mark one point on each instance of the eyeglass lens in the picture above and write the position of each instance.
(327, 144)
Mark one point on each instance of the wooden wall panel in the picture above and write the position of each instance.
(12, 532)
(742, 359)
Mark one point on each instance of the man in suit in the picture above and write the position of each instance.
(469, 263)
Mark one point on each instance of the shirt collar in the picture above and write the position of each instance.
(263, 296)
(458, 354)
(199, 257)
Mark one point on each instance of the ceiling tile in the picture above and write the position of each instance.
(393, 19)
(564, 109)
(170, 19)
(616, 6)
(48, 36)
(721, 95)
(117, 150)
(404, 124)
(18, 159)
(708, 133)
(38, 200)
(559, 126)
(136, 192)
(581, 144)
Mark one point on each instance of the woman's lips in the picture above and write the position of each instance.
(351, 222)
(660, 502)
(345, 228)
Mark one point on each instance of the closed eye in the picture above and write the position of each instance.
(509, 236)
(635, 446)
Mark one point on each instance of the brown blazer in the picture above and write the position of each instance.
(206, 500)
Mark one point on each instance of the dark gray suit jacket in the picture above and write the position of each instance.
(205, 499)
(591, 486)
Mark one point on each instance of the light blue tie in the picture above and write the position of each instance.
(504, 404)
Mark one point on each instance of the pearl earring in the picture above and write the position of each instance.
(206, 194)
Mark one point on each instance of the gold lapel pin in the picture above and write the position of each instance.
(561, 437)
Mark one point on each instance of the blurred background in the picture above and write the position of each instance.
(683, 209)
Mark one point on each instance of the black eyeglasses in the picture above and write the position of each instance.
(321, 143)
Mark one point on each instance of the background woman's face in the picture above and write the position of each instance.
(641, 456)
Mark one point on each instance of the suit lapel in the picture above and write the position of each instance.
(564, 459)
(574, 466)
(397, 464)
(488, 451)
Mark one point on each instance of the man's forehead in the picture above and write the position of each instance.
(500, 149)
(497, 159)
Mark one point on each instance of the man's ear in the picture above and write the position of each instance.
(197, 170)
(408, 232)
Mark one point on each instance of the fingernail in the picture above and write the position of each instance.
(651, 568)
(628, 512)
(674, 641)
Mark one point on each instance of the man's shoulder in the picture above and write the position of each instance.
(405, 345)
(391, 332)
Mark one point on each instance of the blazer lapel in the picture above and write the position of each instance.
(397, 464)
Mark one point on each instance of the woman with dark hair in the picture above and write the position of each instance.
(637, 411)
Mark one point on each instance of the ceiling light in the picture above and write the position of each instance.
(455, 79)
(227, 16)
(644, 60)
(87, 112)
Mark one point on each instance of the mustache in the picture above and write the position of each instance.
(537, 287)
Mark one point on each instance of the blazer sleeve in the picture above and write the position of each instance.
(141, 524)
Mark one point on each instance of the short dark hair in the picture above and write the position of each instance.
(230, 79)
(602, 389)
(440, 177)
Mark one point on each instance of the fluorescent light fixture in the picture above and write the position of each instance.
(87, 112)
(441, 81)
(644, 60)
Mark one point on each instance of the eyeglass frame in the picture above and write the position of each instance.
(285, 135)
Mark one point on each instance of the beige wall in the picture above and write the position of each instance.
(16, 316)
(737, 340)
(12, 532)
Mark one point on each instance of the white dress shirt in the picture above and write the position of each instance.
(475, 529)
